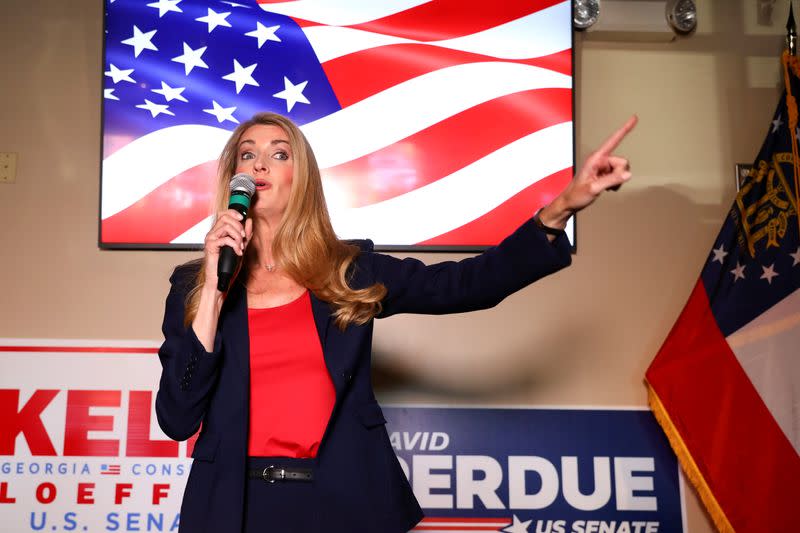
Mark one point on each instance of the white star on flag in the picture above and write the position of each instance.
(140, 41)
(264, 34)
(222, 113)
(776, 124)
(155, 109)
(796, 257)
(769, 273)
(214, 19)
(171, 93)
(719, 254)
(738, 272)
(292, 93)
(518, 526)
(165, 6)
(119, 75)
(241, 76)
(108, 94)
(234, 4)
(191, 58)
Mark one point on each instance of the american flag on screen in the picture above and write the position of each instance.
(438, 123)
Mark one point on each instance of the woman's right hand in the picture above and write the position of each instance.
(226, 231)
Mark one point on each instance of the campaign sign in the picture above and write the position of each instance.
(538, 470)
(81, 450)
(80, 447)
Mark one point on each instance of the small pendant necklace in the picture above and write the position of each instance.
(270, 268)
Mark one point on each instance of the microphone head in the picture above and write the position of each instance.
(243, 184)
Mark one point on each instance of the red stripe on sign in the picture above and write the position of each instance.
(432, 153)
(506, 217)
(393, 64)
(457, 528)
(465, 519)
(448, 19)
(166, 212)
(748, 463)
(77, 349)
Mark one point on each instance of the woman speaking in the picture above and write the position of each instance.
(275, 371)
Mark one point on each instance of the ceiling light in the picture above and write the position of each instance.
(682, 15)
(585, 13)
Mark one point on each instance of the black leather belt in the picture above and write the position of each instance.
(277, 473)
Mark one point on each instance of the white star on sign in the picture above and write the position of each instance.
(241, 76)
(264, 34)
(119, 75)
(165, 6)
(776, 124)
(108, 94)
(141, 41)
(738, 272)
(796, 257)
(292, 93)
(518, 526)
(155, 109)
(191, 58)
(222, 113)
(769, 273)
(171, 93)
(719, 254)
(214, 19)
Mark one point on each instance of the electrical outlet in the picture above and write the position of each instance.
(8, 167)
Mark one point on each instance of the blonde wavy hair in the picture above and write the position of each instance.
(305, 246)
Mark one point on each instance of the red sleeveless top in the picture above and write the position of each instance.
(291, 392)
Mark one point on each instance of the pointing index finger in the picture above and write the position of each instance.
(613, 141)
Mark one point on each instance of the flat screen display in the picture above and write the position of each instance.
(437, 125)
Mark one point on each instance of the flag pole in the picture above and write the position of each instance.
(791, 32)
(790, 62)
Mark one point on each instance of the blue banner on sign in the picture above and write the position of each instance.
(538, 470)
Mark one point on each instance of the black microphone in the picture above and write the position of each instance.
(242, 188)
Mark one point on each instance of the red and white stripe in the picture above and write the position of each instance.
(464, 122)
(461, 524)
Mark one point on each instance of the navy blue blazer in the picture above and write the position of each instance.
(359, 485)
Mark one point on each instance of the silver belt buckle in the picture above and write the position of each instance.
(267, 474)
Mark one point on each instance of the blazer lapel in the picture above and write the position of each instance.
(322, 318)
(236, 331)
(328, 335)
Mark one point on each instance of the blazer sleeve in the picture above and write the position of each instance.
(474, 283)
(188, 372)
